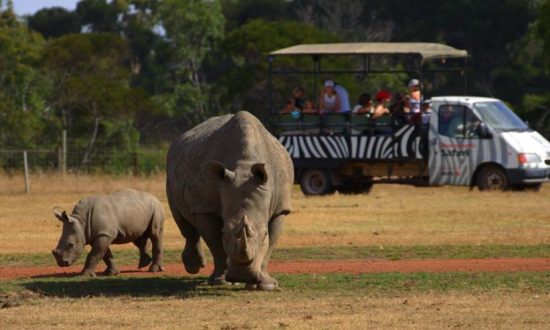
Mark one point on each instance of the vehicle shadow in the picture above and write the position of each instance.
(77, 287)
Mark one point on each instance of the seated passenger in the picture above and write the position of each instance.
(329, 101)
(309, 108)
(364, 105)
(400, 110)
(295, 104)
(343, 95)
(381, 106)
(415, 96)
(426, 112)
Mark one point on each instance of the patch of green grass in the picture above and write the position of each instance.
(421, 282)
(131, 257)
(309, 284)
(415, 252)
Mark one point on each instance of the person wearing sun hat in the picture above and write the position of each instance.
(329, 102)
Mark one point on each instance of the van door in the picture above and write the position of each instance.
(453, 141)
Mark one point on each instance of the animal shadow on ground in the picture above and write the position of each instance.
(131, 286)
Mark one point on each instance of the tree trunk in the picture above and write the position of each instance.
(90, 147)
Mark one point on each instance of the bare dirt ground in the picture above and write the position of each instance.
(314, 267)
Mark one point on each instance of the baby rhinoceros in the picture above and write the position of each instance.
(122, 217)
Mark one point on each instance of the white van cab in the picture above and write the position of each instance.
(480, 141)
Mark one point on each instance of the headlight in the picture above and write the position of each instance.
(528, 158)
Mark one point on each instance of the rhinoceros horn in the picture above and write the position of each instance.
(246, 250)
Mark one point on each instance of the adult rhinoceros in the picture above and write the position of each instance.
(229, 181)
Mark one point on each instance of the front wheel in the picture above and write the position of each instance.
(492, 178)
(357, 188)
(316, 182)
(528, 187)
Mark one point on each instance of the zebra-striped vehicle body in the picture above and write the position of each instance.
(481, 143)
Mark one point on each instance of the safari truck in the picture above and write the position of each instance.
(463, 140)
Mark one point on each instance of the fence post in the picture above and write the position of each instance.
(26, 166)
(64, 152)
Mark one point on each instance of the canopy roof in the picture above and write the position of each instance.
(424, 50)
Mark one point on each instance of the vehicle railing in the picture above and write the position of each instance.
(341, 124)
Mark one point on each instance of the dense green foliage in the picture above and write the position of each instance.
(113, 71)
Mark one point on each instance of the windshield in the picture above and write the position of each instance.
(499, 116)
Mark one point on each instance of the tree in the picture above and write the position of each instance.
(54, 22)
(543, 30)
(192, 29)
(239, 12)
(93, 97)
(100, 15)
(243, 83)
(24, 116)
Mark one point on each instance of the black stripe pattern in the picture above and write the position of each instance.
(403, 144)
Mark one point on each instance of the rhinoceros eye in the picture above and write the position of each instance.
(70, 245)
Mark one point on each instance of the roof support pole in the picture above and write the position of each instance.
(270, 85)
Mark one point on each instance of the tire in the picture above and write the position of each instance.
(316, 182)
(491, 178)
(535, 187)
(354, 189)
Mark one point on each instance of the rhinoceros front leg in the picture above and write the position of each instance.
(192, 255)
(267, 282)
(99, 248)
(111, 268)
(210, 228)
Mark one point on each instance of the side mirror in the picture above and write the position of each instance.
(484, 132)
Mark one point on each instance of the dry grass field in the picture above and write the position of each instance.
(494, 310)
(391, 215)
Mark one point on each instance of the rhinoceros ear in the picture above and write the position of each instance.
(259, 172)
(62, 216)
(219, 171)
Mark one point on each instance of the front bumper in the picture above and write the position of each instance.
(528, 175)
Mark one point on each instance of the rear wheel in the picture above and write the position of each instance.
(316, 182)
(492, 178)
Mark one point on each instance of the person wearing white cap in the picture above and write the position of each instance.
(329, 101)
(415, 96)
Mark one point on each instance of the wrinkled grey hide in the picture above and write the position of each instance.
(229, 181)
(122, 217)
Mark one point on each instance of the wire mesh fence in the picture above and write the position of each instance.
(146, 156)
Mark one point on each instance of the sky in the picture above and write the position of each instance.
(28, 7)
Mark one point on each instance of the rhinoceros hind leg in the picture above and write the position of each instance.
(142, 245)
(144, 260)
(156, 268)
(111, 271)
